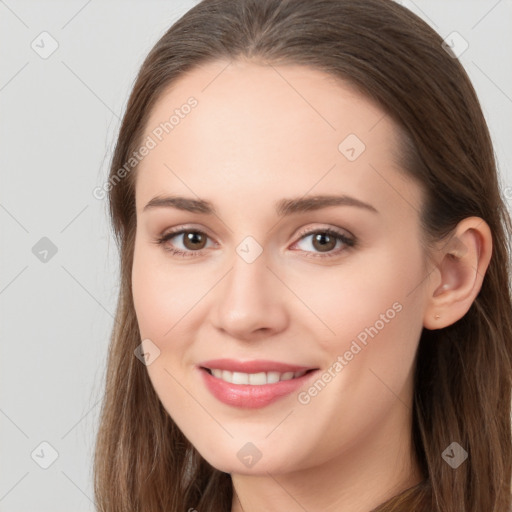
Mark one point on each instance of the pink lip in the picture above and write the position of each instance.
(254, 366)
(250, 396)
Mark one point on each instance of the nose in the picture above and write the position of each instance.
(250, 302)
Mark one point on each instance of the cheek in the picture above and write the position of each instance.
(160, 302)
(378, 321)
(376, 318)
(150, 300)
(162, 295)
(373, 293)
(167, 301)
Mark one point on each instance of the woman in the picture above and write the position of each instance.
(314, 311)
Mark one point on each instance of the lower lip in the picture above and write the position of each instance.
(252, 397)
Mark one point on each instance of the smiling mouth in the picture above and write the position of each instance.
(254, 379)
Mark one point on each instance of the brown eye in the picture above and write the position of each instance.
(194, 240)
(324, 242)
(184, 242)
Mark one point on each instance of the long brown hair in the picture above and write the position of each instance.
(463, 372)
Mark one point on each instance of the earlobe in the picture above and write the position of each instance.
(460, 272)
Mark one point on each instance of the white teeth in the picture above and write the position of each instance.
(273, 377)
(255, 379)
(217, 373)
(239, 378)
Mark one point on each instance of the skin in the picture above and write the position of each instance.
(260, 134)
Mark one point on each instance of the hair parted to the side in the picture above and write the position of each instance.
(463, 372)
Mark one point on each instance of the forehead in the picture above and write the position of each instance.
(278, 130)
(268, 99)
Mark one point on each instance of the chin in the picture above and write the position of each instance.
(246, 458)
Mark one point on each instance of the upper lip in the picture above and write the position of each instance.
(253, 366)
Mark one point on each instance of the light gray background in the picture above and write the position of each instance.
(58, 119)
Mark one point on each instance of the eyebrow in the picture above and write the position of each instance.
(283, 207)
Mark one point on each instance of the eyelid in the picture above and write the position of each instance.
(303, 231)
(349, 240)
(185, 227)
(323, 227)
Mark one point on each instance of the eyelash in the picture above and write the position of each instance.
(350, 243)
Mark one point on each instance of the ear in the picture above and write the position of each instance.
(459, 271)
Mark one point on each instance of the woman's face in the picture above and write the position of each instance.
(271, 282)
